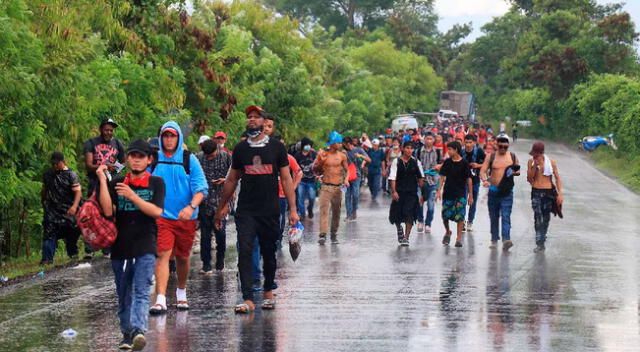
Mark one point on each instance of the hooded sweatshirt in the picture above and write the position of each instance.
(180, 187)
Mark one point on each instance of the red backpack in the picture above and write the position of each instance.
(98, 231)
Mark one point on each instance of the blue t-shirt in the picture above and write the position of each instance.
(351, 155)
(375, 166)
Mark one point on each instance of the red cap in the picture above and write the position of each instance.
(537, 149)
(170, 130)
(388, 130)
(220, 134)
(254, 108)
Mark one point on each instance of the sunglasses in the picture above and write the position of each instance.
(502, 146)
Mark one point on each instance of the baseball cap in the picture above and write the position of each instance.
(220, 134)
(375, 141)
(57, 157)
(537, 149)
(202, 139)
(170, 130)
(108, 121)
(140, 146)
(256, 108)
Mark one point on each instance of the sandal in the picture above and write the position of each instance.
(157, 309)
(269, 304)
(182, 305)
(446, 239)
(243, 308)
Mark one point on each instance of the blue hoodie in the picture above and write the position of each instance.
(180, 187)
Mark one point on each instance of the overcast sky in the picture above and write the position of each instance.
(482, 11)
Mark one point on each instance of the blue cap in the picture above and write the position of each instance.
(334, 137)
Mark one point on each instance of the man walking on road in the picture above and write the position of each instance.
(375, 167)
(186, 188)
(355, 155)
(102, 150)
(137, 201)
(61, 194)
(497, 173)
(307, 187)
(456, 181)
(258, 161)
(406, 175)
(545, 196)
(431, 159)
(475, 156)
(332, 165)
(215, 165)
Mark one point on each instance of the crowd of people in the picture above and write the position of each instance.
(169, 193)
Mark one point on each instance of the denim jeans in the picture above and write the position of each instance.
(429, 195)
(542, 204)
(472, 208)
(352, 197)
(500, 210)
(306, 191)
(68, 233)
(375, 183)
(206, 229)
(133, 280)
(265, 230)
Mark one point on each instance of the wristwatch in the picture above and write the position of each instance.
(194, 207)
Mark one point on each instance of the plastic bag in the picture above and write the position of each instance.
(295, 237)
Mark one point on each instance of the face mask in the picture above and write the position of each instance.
(254, 132)
(138, 172)
(221, 145)
(306, 148)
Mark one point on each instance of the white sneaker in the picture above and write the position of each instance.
(469, 227)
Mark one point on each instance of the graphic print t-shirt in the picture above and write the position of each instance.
(104, 153)
(137, 232)
(306, 164)
(260, 168)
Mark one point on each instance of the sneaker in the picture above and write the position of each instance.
(493, 245)
(334, 239)
(139, 341)
(469, 227)
(126, 343)
(310, 214)
(506, 245)
(405, 242)
(220, 265)
(206, 269)
(464, 226)
(354, 216)
(400, 235)
(421, 227)
(322, 239)
(539, 248)
(458, 244)
(427, 229)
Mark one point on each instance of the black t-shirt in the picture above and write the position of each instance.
(137, 232)
(260, 168)
(104, 152)
(306, 164)
(478, 158)
(60, 185)
(457, 173)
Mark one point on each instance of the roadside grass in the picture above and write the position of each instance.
(624, 167)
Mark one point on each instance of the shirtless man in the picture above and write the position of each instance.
(332, 165)
(502, 167)
(540, 173)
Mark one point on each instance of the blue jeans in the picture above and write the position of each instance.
(472, 208)
(352, 197)
(375, 182)
(133, 280)
(53, 233)
(500, 209)
(206, 229)
(306, 190)
(429, 195)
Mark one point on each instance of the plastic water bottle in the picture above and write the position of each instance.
(344, 189)
(69, 333)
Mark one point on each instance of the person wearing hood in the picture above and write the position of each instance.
(186, 187)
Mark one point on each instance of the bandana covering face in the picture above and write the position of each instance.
(258, 144)
(253, 132)
(138, 182)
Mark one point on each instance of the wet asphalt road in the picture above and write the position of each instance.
(368, 294)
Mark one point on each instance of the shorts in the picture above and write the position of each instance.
(454, 209)
(176, 235)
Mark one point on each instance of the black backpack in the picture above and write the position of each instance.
(186, 162)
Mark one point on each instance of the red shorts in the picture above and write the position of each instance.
(176, 235)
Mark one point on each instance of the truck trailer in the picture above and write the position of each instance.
(461, 102)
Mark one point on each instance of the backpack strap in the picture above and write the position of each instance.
(186, 162)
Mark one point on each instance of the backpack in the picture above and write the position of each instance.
(98, 231)
(352, 172)
(186, 161)
(506, 184)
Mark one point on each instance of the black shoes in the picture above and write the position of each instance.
(126, 343)
(334, 238)
(322, 239)
(310, 213)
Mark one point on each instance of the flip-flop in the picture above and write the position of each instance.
(446, 239)
(182, 305)
(157, 309)
(243, 308)
(269, 304)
